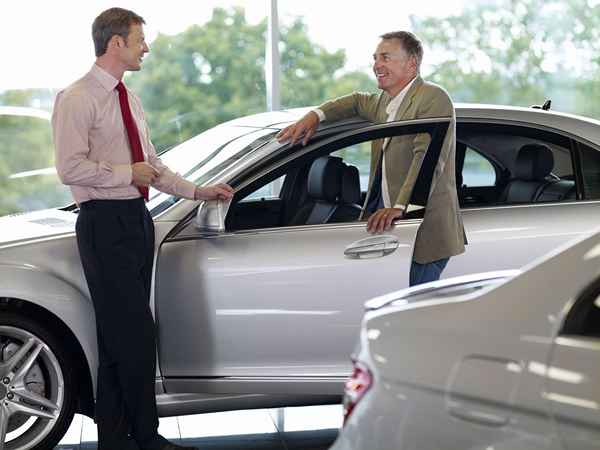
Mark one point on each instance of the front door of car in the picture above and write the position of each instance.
(573, 373)
(281, 302)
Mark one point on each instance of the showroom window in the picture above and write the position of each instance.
(207, 59)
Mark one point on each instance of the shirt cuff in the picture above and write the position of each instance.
(402, 207)
(123, 174)
(188, 189)
(319, 113)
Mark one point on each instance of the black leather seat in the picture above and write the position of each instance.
(324, 188)
(348, 209)
(533, 165)
(556, 191)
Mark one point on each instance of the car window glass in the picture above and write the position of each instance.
(205, 156)
(477, 170)
(268, 192)
(590, 165)
(563, 165)
(28, 179)
(359, 156)
(524, 165)
(318, 188)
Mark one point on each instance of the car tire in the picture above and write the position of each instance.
(38, 384)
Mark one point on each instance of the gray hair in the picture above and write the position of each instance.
(410, 43)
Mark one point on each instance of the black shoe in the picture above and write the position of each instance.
(171, 446)
(160, 443)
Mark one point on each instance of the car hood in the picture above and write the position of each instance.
(38, 224)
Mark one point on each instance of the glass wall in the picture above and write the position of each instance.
(206, 64)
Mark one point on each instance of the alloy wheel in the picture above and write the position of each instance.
(31, 389)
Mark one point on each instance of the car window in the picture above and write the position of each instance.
(511, 164)
(590, 166)
(269, 191)
(206, 155)
(359, 156)
(477, 170)
(28, 179)
(326, 183)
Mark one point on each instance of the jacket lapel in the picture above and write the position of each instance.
(405, 105)
(408, 100)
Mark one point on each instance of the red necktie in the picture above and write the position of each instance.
(137, 155)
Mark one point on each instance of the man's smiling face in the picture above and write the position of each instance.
(393, 67)
(135, 48)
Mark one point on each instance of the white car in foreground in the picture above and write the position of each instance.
(497, 361)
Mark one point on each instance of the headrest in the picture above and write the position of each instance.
(325, 178)
(534, 162)
(350, 186)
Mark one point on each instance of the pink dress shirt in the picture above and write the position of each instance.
(91, 146)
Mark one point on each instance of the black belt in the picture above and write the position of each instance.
(133, 205)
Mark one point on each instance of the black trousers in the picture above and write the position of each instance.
(116, 245)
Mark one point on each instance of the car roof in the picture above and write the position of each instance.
(577, 125)
(24, 111)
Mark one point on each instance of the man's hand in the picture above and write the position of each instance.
(382, 219)
(307, 126)
(143, 174)
(220, 191)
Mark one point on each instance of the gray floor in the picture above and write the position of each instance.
(306, 428)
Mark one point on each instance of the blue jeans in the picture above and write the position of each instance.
(424, 273)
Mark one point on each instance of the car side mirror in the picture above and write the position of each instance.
(211, 215)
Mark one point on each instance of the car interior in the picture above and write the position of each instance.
(495, 165)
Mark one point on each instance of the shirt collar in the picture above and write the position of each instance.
(107, 81)
(394, 104)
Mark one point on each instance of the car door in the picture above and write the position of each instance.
(504, 233)
(573, 376)
(280, 303)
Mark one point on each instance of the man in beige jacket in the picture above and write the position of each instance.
(396, 162)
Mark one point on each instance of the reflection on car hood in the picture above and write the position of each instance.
(37, 224)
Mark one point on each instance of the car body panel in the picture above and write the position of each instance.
(529, 230)
(479, 371)
(236, 296)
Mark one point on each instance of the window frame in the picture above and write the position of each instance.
(290, 157)
(534, 131)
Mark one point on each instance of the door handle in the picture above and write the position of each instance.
(479, 417)
(372, 247)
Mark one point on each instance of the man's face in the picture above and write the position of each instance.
(393, 67)
(132, 53)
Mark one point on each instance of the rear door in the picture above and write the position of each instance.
(504, 234)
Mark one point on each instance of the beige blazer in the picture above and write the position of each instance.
(441, 233)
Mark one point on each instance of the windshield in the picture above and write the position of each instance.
(206, 155)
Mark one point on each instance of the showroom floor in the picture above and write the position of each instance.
(306, 428)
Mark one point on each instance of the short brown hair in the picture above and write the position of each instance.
(410, 43)
(110, 22)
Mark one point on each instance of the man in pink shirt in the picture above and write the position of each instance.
(104, 153)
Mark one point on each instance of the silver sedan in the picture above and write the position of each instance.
(258, 301)
(498, 360)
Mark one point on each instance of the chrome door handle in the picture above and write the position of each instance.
(479, 417)
(372, 247)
